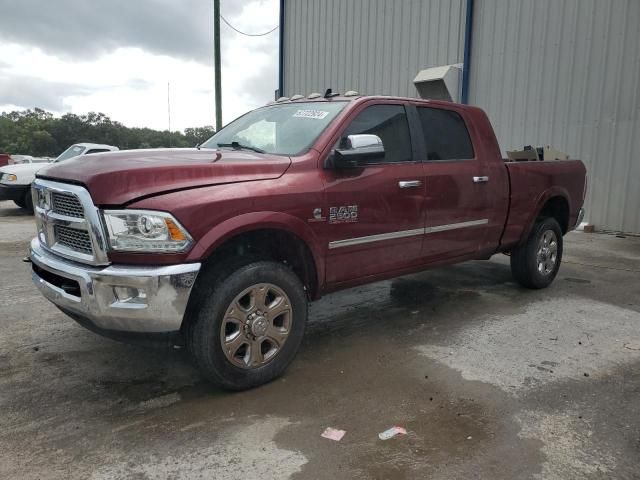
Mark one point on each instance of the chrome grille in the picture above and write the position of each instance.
(78, 240)
(66, 204)
(68, 222)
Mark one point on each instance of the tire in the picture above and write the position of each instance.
(19, 203)
(536, 263)
(260, 343)
(28, 201)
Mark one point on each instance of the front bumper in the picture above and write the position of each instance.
(13, 192)
(136, 300)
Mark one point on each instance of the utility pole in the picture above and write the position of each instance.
(216, 55)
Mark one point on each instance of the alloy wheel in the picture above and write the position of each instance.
(256, 325)
(547, 254)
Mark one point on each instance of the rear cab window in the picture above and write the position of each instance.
(445, 135)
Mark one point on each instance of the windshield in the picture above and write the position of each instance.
(72, 151)
(282, 129)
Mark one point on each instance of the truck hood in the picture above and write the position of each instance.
(116, 178)
(24, 171)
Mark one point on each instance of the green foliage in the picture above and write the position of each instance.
(38, 133)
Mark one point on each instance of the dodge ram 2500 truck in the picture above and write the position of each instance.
(220, 248)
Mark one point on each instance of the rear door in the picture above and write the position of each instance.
(375, 213)
(457, 200)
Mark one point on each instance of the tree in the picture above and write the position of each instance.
(42, 143)
(198, 135)
(37, 132)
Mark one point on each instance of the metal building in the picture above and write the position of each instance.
(559, 72)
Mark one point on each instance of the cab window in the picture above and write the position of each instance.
(97, 150)
(445, 134)
(389, 122)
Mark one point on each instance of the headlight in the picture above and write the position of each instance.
(145, 231)
(8, 177)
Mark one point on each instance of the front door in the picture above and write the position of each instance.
(375, 212)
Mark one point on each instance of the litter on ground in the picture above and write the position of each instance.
(333, 434)
(392, 432)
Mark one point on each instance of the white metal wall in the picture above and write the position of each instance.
(372, 46)
(567, 73)
(559, 72)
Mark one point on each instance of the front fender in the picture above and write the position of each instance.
(257, 221)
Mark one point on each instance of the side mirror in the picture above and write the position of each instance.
(357, 150)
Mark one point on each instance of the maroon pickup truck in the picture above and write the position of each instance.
(220, 248)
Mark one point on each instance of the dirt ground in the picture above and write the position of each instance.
(490, 381)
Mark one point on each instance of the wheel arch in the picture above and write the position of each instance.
(553, 203)
(556, 207)
(273, 235)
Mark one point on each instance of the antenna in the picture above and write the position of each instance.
(329, 93)
(169, 110)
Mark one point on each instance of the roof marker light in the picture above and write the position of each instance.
(282, 99)
(351, 93)
(297, 97)
(314, 95)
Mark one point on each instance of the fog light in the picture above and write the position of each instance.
(130, 295)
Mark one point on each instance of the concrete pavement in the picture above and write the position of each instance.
(490, 380)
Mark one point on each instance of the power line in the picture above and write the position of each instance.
(248, 34)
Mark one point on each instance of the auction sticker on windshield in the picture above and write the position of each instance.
(317, 114)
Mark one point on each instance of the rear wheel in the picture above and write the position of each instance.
(19, 203)
(536, 263)
(247, 324)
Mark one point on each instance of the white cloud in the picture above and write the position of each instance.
(129, 84)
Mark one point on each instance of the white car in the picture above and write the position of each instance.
(20, 159)
(15, 180)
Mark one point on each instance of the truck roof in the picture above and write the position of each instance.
(360, 98)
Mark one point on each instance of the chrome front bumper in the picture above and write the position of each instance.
(117, 298)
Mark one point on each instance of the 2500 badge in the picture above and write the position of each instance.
(345, 214)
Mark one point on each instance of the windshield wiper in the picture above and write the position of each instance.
(239, 146)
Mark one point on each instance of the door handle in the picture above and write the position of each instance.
(409, 183)
(480, 179)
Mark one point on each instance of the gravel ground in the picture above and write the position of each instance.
(490, 381)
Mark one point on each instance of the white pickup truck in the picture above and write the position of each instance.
(15, 180)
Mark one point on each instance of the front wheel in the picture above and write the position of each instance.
(28, 201)
(248, 323)
(536, 263)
